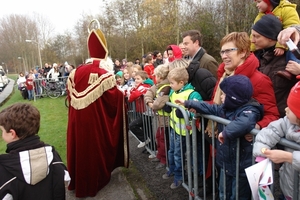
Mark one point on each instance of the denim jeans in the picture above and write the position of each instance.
(30, 94)
(244, 188)
(290, 56)
(175, 154)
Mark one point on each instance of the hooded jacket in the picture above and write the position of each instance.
(177, 54)
(243, 120)
(268, 138)
(32, 171)
(263, 90)
(202, 72)
(286, 13)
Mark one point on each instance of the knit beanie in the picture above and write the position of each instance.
(274, 3)
(268, 26)
(294, 99)
(238, 90)
(119, 73)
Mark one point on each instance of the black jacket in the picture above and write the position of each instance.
(199, 75)
(32, 170)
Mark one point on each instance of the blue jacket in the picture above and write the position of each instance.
(243, 120)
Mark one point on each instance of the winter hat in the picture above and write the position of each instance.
(238, 90)
(268, 26)
(119, 73)
(274, 3)
(294, 99)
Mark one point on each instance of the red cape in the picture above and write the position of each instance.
(97, 135)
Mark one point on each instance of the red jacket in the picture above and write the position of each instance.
(149, 68)
(137, 94)
(262, 86)
(29, 84)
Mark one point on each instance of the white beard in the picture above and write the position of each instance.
(107, 64)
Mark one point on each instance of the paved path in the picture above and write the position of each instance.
(117, 189)
(7, 91)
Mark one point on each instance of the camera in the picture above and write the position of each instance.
(293, 48)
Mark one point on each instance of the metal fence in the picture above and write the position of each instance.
(195, 144)
(44, 87)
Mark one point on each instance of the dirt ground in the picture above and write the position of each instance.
(159, 189)
(142, 175)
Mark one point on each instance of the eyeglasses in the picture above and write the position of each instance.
(227, 51)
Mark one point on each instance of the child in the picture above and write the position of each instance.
(135, 94)
(181, 89)
(289, 128)
(119, 78)
(156, 97)
(136, 68)
(29, 86)
(284, 10)
(128, 79)
(244, 112)
(149, 68)
(31, 169)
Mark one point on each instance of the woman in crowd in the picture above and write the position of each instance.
(238, 60)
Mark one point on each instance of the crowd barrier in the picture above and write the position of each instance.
(195, 144)
(44, 87)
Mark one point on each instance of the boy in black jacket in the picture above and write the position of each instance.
(31, 169)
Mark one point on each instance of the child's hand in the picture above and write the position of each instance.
(150, 105)
(278, 51)
(221, 138)
(179, 102)
(192, 110)
(278, 156)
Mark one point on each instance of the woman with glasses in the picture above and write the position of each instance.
(238, 60)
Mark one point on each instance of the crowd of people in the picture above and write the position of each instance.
(26, 80)
(255, 86)
(254, 83)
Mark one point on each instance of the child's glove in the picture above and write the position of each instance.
(167, 108)
(178, 113)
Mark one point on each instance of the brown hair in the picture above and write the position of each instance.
(194, 34)
(23, 118)
(142, 74)
(179, 74)
(240, 39)
(148, 58)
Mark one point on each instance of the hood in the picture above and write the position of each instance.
(185, 87)
(149, 81)
(34, 164)
(177, 54)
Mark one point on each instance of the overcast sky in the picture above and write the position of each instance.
(63, 14)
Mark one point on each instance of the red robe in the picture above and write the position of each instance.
(97, 135)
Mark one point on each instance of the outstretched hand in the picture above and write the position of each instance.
(179, 102)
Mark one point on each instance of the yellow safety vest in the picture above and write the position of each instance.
(176, 123)
(160, 112)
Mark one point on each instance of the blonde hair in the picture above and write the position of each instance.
(129, 68)
(179, 74)
(139, 67)
(142, 74)
(161, 71)
(179, 63)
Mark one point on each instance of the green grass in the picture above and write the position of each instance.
(54, 119)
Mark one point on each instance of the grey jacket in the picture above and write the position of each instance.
(268, 137)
